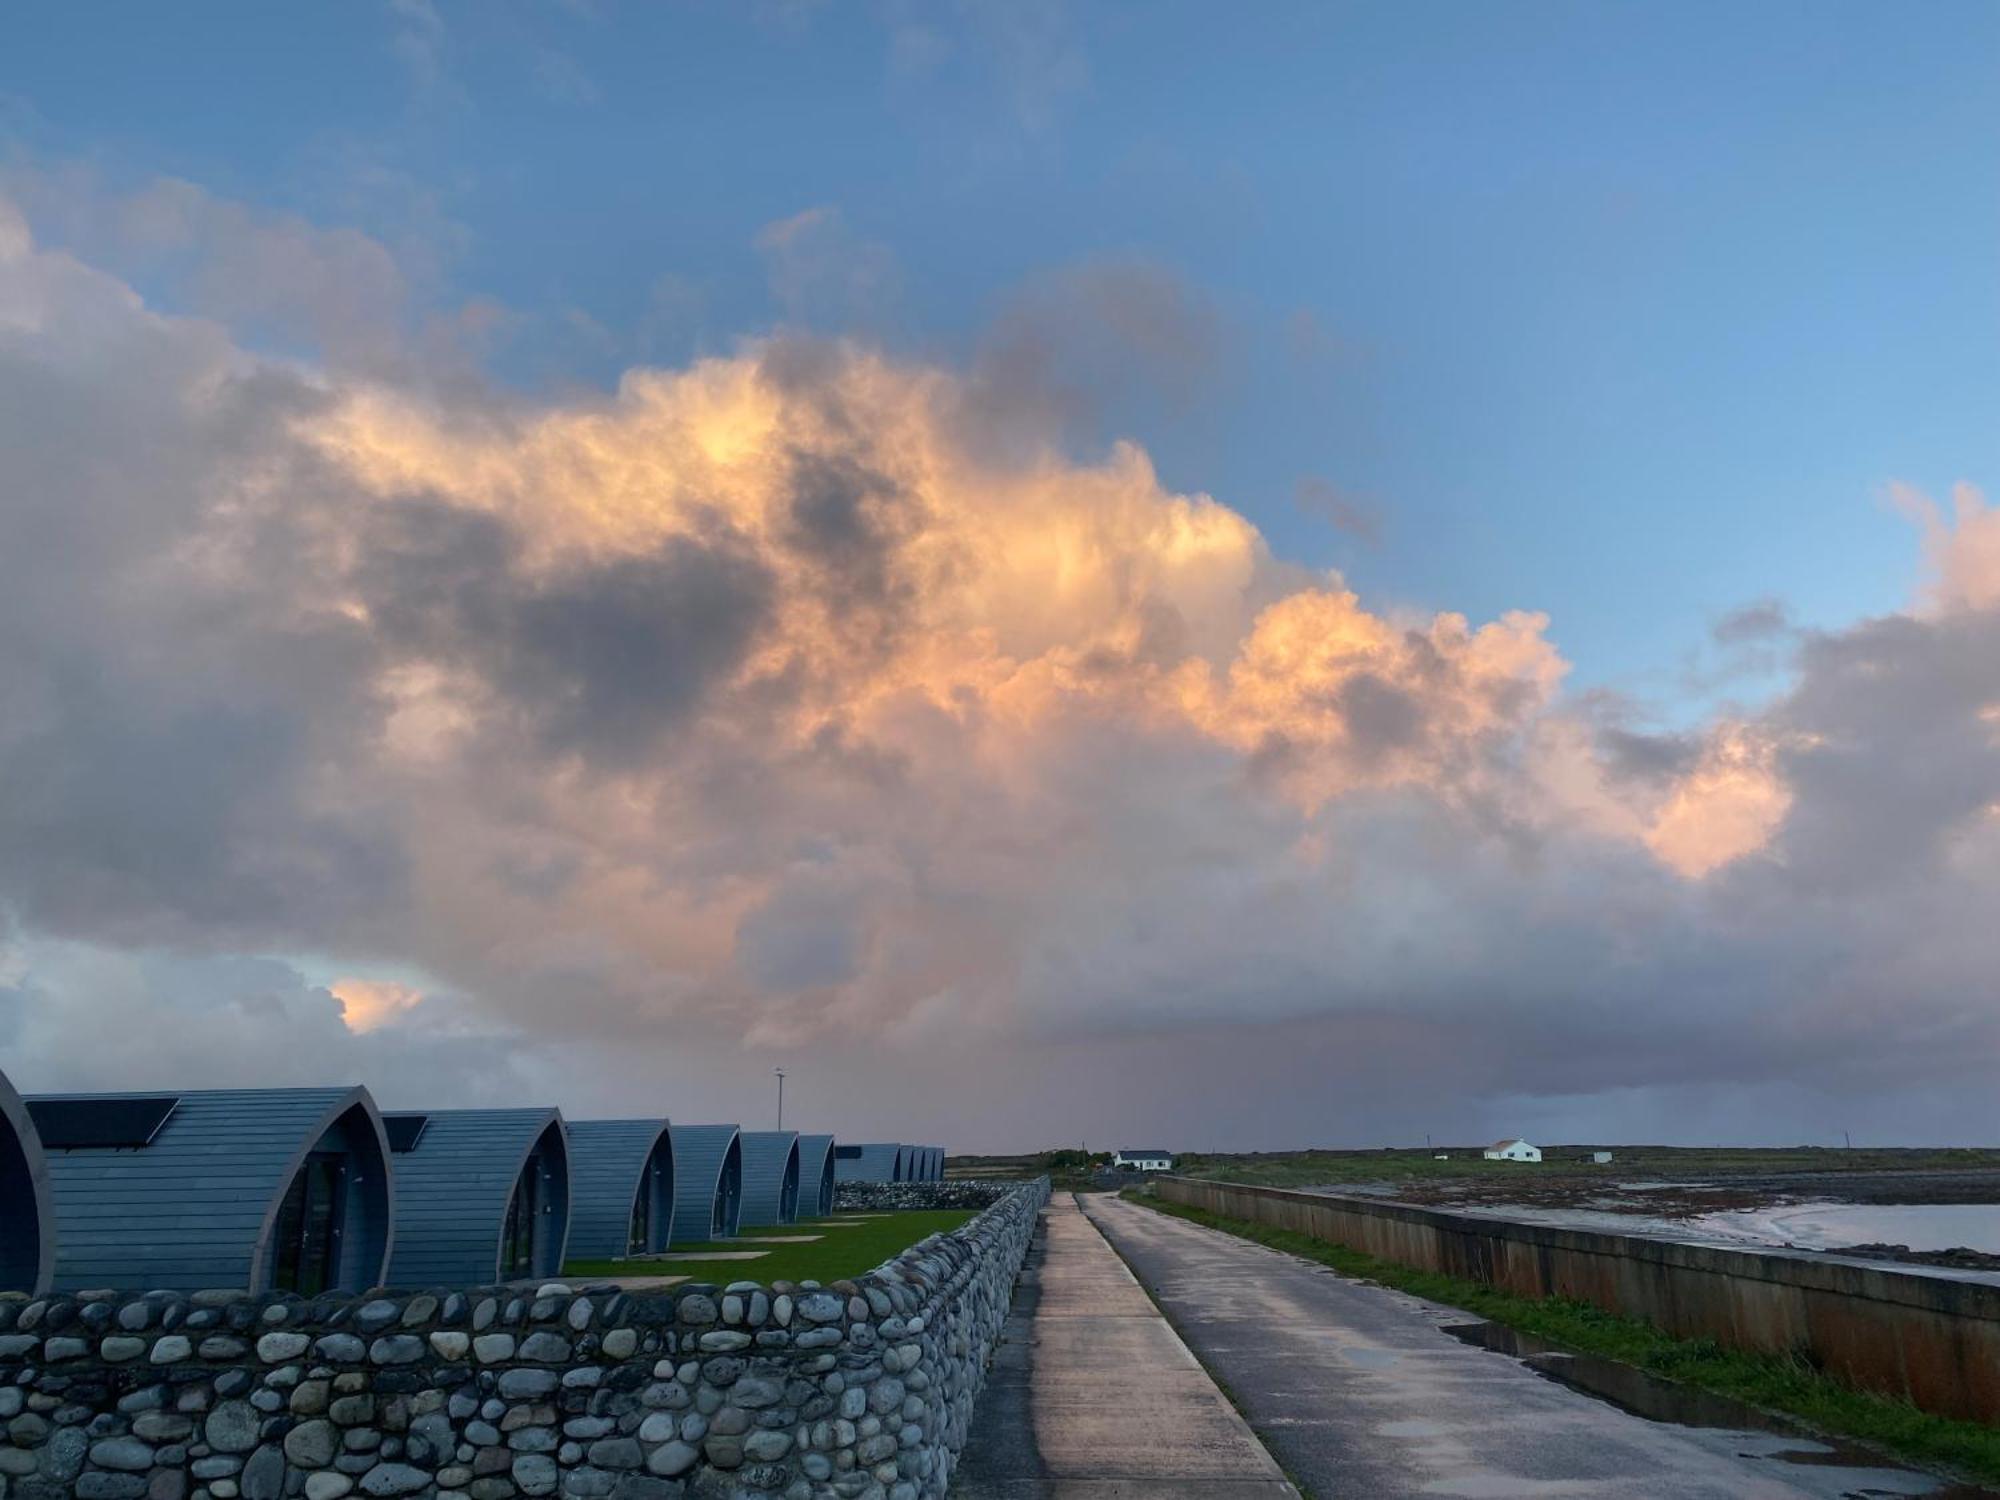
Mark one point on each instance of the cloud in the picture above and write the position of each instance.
(369, 1004)
(1084, 346)
(769, 707)
(823, 275)
(1755, 623)
(1345, 513)
(1962, 553)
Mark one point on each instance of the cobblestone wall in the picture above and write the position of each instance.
(860, 1388)
(867, 1197)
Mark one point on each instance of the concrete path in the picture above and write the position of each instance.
(1358, 1393)
(1093, 1397)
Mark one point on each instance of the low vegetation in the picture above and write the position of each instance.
(1780, 1385)
(847, 1246)
(1326, 1168)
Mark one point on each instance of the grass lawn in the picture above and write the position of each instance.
(839, 1252)
(1772, 1383)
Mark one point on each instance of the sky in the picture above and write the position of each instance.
(1066, 573)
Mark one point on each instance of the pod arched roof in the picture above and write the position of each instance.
(455, 1172)
(700, 1154)
(181, 1192)
(607, 1160)
(27, 1213)
(769, 1158)
(816, 1175)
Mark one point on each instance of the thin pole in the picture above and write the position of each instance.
(781, 1096)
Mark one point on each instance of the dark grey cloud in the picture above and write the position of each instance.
(1754, 623)
(600, 659)
(1102, 348)
(1345, 513)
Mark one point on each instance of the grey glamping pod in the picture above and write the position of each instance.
(27, 1218)
(906, 1164)
(870, 1163)
(937, 1164)
(483, 1196)
(770, 1178)
(708, 1182)
(816, 1175)
(621, 1197)
(257, 1189)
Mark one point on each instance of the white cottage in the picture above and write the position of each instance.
(1512, 1150)
(1143, 1160)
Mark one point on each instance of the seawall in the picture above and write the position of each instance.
(861, 1388)
(1930, 1339)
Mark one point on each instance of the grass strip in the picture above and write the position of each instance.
(842, 1253)
(1783, 1385)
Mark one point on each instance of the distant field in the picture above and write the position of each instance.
(840, 1252)
(1314, 1168)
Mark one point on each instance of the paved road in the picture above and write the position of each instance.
(1358, 1393)
(1092, 1396)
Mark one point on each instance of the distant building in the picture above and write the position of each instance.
(878, 1161)
(1600, 1157)
(1512, 1150)
(1134, 1159)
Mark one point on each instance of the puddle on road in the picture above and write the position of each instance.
(1631, 1389)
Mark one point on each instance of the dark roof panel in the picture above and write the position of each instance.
(405, 1131)
(95, 1122)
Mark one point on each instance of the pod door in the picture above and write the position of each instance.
(331, 1227)
(653, 1204)
(532, 1235)
(729, 1193)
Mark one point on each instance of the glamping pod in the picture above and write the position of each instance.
(816, 1176)
(770, 1177)
(483, 1196)
(708, 1182)
(259, 1189)
(937, 1164)
(27, 1219)
(906, 1164)
(621, 1188)
(872, 1163)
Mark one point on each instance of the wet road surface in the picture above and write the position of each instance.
(1092, 1396)
(1358, 1391)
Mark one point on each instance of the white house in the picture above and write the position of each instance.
(1512, 1151)
(1133, 1160)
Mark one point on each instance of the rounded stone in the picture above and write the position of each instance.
(671, 1460)
(232, 1427)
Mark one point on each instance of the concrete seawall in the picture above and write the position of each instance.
(1931, 1339)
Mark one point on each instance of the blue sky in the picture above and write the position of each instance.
(1626, 313)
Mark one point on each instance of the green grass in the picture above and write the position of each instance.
(1781, 1385)
(838, 1254)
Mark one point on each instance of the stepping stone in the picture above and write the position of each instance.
(784, 1239)
(649, 1283)
(717, 1255)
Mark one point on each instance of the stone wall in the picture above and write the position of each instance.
(861, 1388)
(866, 1197)
(1932, 1340)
